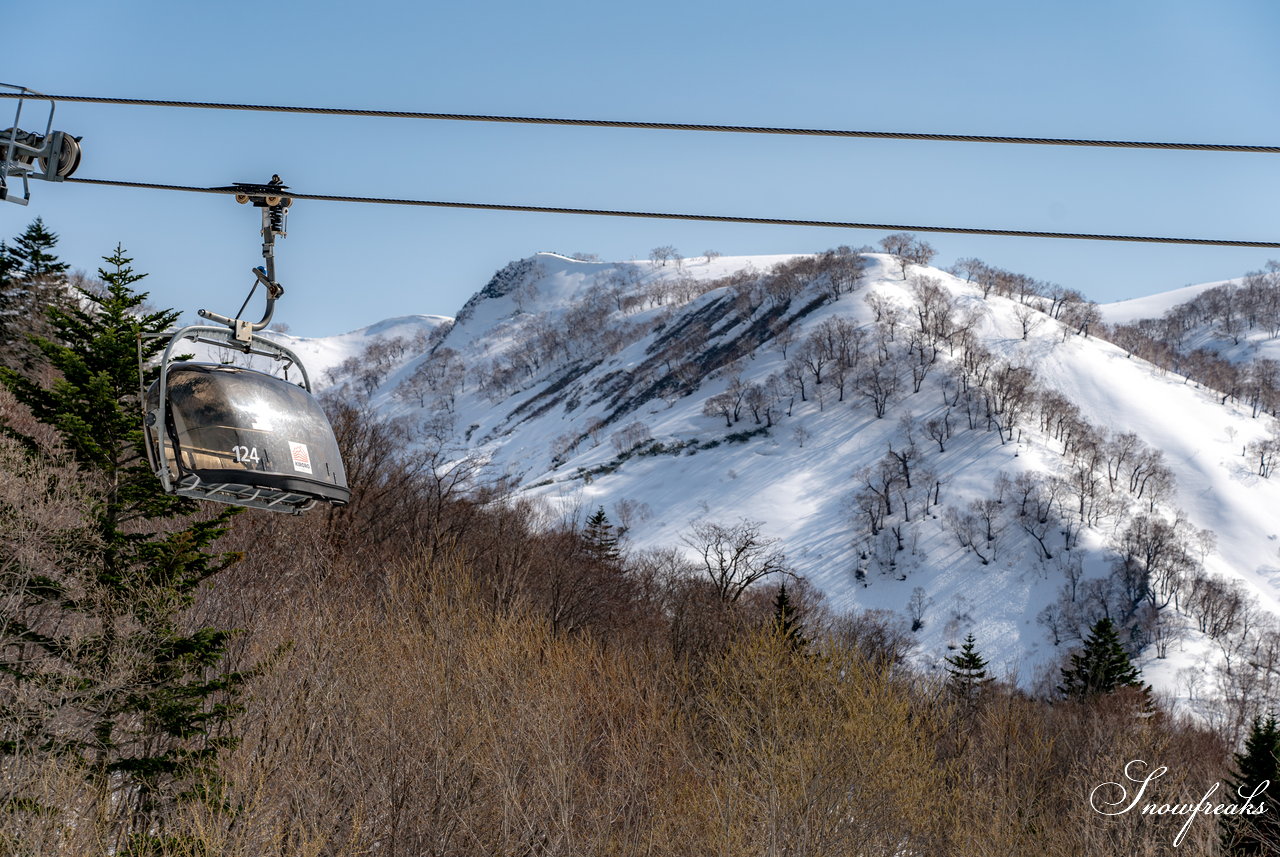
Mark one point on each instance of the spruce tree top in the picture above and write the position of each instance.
(786, 621)
(1259, 763)
(967, 671)
(1102, 666)
(969, 664)
(29, 256)
(94, 402)
(31, 280)
(8, 265)
(1261, 757)
(601, 538)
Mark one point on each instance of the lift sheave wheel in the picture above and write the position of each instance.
(57, 151)
(234, 435)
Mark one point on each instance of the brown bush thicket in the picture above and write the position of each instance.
(504, 689)
(428, 720)
(475, 680)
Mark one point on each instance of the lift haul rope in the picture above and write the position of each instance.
(707, 218)
(662, 126)
(672, 126)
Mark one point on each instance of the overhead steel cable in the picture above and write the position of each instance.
(706, 218)
(663, 126)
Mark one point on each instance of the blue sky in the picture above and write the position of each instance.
(1171, 70)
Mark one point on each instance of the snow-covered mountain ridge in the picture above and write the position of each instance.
(971, 460)
(1237, 320)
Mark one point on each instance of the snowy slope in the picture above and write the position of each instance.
(323, 355)
(1153, 306)
(561, 356)
(1252, 342)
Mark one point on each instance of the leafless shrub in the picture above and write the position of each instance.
(733, 557)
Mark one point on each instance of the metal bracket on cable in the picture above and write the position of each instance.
(275, 207)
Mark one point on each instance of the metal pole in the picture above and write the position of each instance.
(268, 244)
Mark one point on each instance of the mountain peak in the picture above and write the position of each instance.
(894, 426)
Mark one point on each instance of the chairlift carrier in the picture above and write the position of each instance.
(230, 434)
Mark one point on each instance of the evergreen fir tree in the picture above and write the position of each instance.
(32, 280)
(31, 255)
(1102, 666)
(601, 538)
(967, 673)
(9, 302)
(786, 622)
(8, 265)
(1258, 764)
(144, 700)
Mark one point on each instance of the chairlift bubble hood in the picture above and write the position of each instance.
(236, 435)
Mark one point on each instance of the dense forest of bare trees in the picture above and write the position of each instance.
(444, 674)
